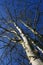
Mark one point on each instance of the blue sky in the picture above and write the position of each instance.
(18, 5)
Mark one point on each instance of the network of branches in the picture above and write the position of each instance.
(25, 15)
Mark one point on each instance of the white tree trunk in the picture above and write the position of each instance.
(28, 49)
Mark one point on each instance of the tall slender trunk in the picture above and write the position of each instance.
(27, 48)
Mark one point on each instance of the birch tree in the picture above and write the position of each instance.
(17, 46)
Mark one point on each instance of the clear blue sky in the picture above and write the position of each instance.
(19, 5)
